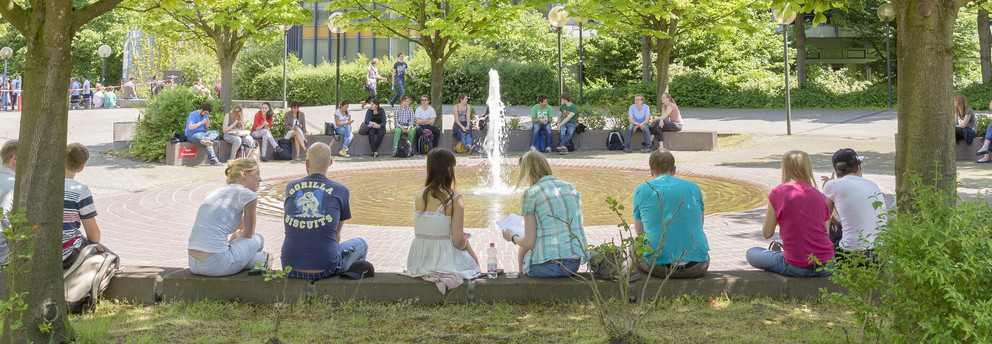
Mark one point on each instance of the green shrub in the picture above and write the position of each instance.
(622, 94)
(165, 115)
(592, 117)
(933, 277)
(696, 90)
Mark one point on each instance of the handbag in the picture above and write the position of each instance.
(364, 129)
(328, 128)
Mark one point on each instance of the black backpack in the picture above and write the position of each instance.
(614, 141)
(404, 149)
(287, 150)
(426, 141)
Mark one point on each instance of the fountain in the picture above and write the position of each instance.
(494, 182)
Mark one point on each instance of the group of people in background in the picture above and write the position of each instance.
(10, 92)
(966, 128)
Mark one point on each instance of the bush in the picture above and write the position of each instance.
(933, 277)
(165, 115)
(592, 117)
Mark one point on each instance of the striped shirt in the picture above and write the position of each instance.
(77, 206)
(553, 203)
(403, 116)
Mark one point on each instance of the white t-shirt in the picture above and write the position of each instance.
(218, 217)
(853, 197)
(343, 118)
(421, 114)
(98, 99)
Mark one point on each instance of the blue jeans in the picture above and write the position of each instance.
(400, 90)
(646, 132)
(346, 132)
(208, 135)
(536, 135)
(774, 261)
(988, 133)
(352, 251)
(554, 268)
(465, 136)
(565, 133)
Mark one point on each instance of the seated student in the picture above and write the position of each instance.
(316, 208)
(342, 126)
(440, 244)
(966, 125)
(540, 115)
(425, 116)
(801, 211)
(403, 121)
(375, 118)
(197, 133)
(852, 196)
(671, 118)
(295, 123)
(568, 121)
(675, 227)
(234, 131)
(223, 240)
(462, 129)
(98, 96)
(550, 247)
(639, 116)
(201, 89)
(78, 209)
(110, 98)
(9, 156)
(129, 90)
(261, 130)
(984, 151)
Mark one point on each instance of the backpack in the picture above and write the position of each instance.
(88, 276)
(287, 150)
(614, 141)
(426, 141)
(403, 148)
(460, 148)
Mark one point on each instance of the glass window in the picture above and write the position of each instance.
(382, 47)
(350, 47)
(323, 55)
(307, 51)
(365, 46)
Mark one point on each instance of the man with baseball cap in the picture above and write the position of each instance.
(853, 198)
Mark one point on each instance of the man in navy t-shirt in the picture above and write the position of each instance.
(315, 211)
(400, 71)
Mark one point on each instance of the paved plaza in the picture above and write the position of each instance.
(146, 210)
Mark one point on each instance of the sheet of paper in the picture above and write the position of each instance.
(513, 223)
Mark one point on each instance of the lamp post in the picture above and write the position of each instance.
(784, 17)
(285, 48)
(104, 51)
(580, 22)
(558, 18)
(886, 13)
(336, 28)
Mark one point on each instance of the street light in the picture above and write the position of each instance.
(580, 22)
(886, 13)
(334, 26)
(285, 47)
(784, 17)
(104, 51)
(558, 18)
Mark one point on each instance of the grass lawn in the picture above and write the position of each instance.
(686, 320)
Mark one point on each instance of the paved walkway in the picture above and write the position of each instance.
(146, 209)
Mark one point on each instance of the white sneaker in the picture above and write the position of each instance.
(263, 258)
(207, 143)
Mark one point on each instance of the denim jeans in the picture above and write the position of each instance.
(237, 141)
(988, 133)
(662, 126)
(240, 255)
(465, 136)
(774, 261)
(265, 136)
(346, 132)
(630, 135)
(536, 135)
(554, 268)
(565, 133)
(352, 251)
(400, 91)
(208, 135)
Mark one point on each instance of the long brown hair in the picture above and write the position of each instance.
(268, 115)
(440, 176)
(961, 107)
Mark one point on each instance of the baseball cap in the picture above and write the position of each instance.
(848, 156)
(359, 270)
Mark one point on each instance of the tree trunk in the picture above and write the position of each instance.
(437, 85)
(226, 62)
(984, 40)
(800, 52)
(664, 50)
(925, 145)
(646, 59)
(40, 173)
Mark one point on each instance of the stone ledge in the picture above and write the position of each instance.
(144, 284)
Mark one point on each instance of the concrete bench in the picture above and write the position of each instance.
(964, 151)
(189, 154)
(689, 140)
(519, 140)
(142, 284)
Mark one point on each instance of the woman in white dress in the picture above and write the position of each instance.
(438, 220)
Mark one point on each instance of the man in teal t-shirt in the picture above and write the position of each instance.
(568, 119)
(541, 115)
(679, 220)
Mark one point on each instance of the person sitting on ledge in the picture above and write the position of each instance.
(639, 116)
(403, 121)
(315, 211)
(568, 120)
(223, 240)
(674, 228)
(984, 151)
(462, 129)
(554, 239)
(261, 130)
(801, 210)
(78, 209)
(853, 197)
(342, 126)
(440, 244)
(671, 118)
(197, 133)
(425, 116)
(540, 115)
(375, 119)
(295, 123)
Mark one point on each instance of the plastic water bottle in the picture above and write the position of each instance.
(492, 266)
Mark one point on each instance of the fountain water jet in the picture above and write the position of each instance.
(494, 182)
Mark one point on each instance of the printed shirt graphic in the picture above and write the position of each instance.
(400, 68)
(541, 113)
(314, 207)
(77, 206)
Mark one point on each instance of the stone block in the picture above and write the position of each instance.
(528, 289)
(964, 151)
(386, 287)
(124, 134)
(137, 284)
(183, 285)
(189, 154)
(591, 140)
(809, 288)
(689, 140)
(719, 283)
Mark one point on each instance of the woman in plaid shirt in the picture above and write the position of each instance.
(553, 241)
